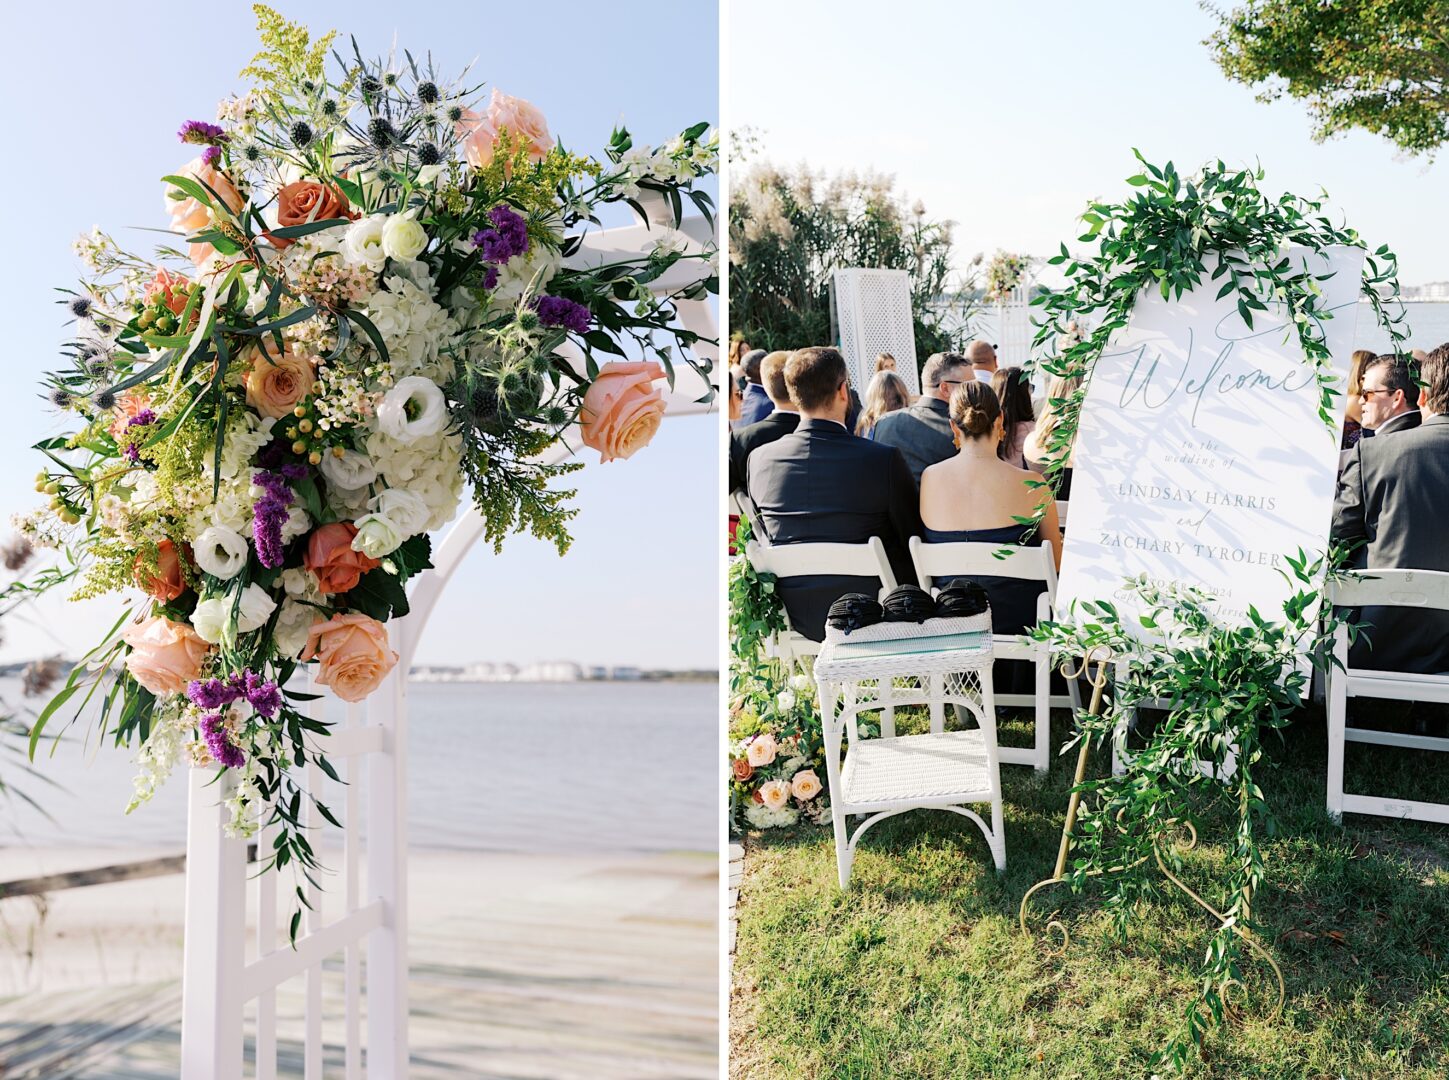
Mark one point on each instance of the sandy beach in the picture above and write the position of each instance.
(522, 966)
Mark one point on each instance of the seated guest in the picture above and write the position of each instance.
(821, 484)
(922, 432)
(1038, 443)
(1013, 391)
(1353, 407)
(887, 393)
(885, 362)
(1389, 394)
(737, 396)
(757, 403)
(781, 422)
(1392, 498)
(975, 497)
(983, 360)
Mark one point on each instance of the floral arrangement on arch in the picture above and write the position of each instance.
(1004, 275)
(364, 310)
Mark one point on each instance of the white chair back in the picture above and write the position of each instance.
(804, 560)
(934, 561)
(1391, 588)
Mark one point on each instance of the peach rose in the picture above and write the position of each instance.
(622, 410)
(164, 286)
(775, 794)
(521, 119)
(806, 785)
(743, 769)
(128, 406)
(306, 201)
(761, 751)
(165, 655)
(168, 582)
(331, 558)
(189, 215)
(275, 384)
(353, 654)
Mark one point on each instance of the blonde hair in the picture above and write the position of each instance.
(886, 393)
(1061, 389)
(1361, 358)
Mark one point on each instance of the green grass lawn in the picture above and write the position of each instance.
(920, 969)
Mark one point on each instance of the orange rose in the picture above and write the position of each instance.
(189, 215)
(305, 201)
(353, 654)
(165, 287)
(331, 558)
(622, 410)
(128, 406)
(168, 582)
(521, 119)
(275, 384)
(743, 769)
(165, 655)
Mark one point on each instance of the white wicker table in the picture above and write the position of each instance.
(942, 770)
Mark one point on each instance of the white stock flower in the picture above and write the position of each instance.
(402, 237)
(362, 242)
(406, 509)
(210, 618)
(220, 552)
(255, 609)
(413, 409)
(350, 469)
(290, 632)
(527, 273)
(377, 536)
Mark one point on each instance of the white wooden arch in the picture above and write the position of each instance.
(222, 974)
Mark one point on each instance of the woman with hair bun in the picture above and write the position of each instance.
(975, 497)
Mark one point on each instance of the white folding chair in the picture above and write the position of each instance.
(806, 560)
(1424, 589)
(933, 561)
(1062, 513)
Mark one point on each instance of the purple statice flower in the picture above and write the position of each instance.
(209, 693)
(220, 746)
(201, 133)
(133, 453)
(142, 418)
(215, 694)
(270, 512)
(508, 236)
(211, 155)
(561, 311)
(490, 277)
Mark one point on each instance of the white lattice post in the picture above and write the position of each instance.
(214, 949)
(387, 872)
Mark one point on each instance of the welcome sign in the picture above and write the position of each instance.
(1200, 456)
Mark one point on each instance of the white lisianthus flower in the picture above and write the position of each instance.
(255, 609)
(362, 242)
(290, 632)
(413, 409)
(670, 242)
(376, 536)
(407, 510)
(403, 238)
(220, 552)
(210, 618)
(785, 700)
(349, 469)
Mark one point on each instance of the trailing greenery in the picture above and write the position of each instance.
(788, 232)
(1379, 65)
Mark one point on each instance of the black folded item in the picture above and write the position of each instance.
(907, 603)
(960, 599)
(853, 611)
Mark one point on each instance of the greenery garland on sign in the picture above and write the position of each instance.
(1223, 685)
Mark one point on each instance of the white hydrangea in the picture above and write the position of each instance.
(412, 325)
(431, 468)
(527, 273)
(293, 622)
(762, 817)
(301, 584)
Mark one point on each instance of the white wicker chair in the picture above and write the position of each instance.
(1426, 589)
(942, 770)
(933, 561)
(804, 560)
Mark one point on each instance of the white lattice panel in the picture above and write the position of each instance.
(872, 311)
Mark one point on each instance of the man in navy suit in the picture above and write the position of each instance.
(821, 484)
(746, 440)
(755, 405)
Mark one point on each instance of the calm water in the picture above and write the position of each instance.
(1428, 326)
(498, 767)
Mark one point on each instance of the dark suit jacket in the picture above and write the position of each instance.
(1403, 422)
(755, 405)
(1393, 496)
(822, 484)
(745, 440)
(922, 433)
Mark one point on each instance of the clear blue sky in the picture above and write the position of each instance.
(97, 92)
(1007, 118)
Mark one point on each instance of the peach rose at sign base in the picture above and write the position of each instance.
(352, 653)
(622, 409)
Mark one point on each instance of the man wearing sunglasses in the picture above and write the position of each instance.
(922, 432)
(1390, 396)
